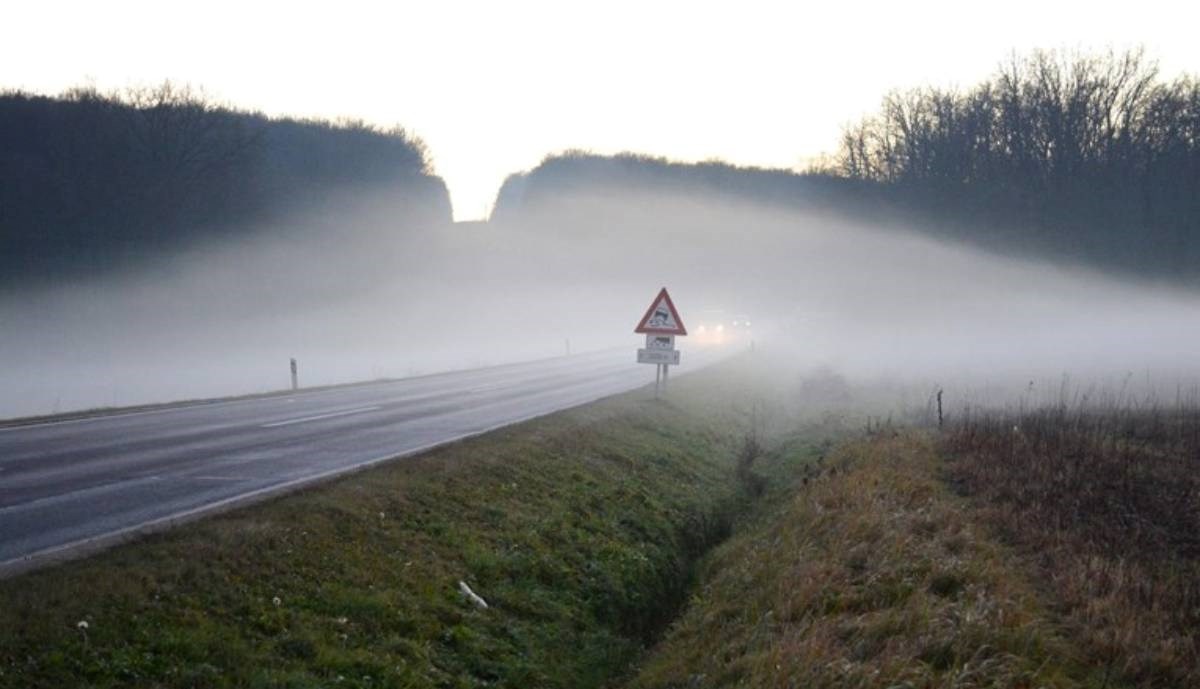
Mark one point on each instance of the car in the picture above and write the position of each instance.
(717, 327)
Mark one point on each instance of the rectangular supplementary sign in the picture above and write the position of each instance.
(660, 342)
(658, 356)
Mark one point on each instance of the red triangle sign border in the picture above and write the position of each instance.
(646, 329)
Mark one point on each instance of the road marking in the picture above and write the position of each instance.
(330, 415)
(10, 424)
(43, 501)
(92, 544)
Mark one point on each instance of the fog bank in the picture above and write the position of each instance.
(353, 297)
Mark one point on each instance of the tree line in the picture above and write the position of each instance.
(1087, 158)
(570, 174)
(90, 181)
(1090, 157)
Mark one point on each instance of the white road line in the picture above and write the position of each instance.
(100, 417)
(330, 415)
(334, 388)
(71, 495)
(83, 546)
(91, 544)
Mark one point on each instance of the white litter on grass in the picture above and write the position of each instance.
(472, 596)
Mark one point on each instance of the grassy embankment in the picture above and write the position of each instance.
(1049, 548)
(579, 530)
(870, 574)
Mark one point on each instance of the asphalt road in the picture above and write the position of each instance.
(72, 487)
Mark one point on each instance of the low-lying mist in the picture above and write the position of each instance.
(354, 296)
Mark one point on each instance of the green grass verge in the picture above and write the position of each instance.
(579, 529)
(867, 572)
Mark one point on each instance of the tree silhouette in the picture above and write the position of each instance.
(91, 182)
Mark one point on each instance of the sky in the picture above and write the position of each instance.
(494, 87)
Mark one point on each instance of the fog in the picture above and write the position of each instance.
(352, 297)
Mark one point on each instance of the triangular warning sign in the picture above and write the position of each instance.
(661, 318)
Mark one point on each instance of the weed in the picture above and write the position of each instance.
(1105, 499)
(867, 576)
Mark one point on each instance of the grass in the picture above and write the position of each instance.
(580, 530)
(1055, 547)
(738, 531)
(867, 572)
(1105, 498)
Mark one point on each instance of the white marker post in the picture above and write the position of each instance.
(660, 325)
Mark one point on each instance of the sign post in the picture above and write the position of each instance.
(660, 325)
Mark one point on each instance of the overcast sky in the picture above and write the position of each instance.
(493, 87)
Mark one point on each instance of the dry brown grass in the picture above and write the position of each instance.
(870, 575)
(1107, 503)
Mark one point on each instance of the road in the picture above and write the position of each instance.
(72, 487)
